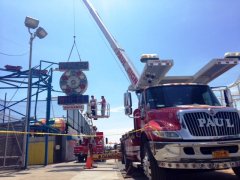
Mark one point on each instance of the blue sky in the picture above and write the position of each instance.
(191, 32)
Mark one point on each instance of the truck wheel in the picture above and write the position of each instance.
(85, 158)
(127, 162)
(150, 166)
(236, 170)
(123, 158)
(122, 151)
(80, 158)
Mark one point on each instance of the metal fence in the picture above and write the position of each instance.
(11, 144)
(12, 118)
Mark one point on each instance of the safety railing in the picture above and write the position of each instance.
(99, 111)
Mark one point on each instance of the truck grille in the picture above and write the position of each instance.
(220, 124)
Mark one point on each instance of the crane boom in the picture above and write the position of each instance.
(120, 53)
(155, 70)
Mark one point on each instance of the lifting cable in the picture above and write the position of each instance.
(74, 36)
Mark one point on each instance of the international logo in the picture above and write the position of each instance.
(211, 112)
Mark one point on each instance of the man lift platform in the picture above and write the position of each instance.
(99, 111)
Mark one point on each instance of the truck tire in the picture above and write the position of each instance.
(85, 158)
(122, 159)
(80, 158)
(122, 151)
(236, 170)
(127, 162)
(150, 166)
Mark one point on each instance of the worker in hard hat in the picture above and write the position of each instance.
(103, 105)
(93, 105)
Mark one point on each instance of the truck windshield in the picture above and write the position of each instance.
(176, 95)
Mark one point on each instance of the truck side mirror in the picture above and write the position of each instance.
(148, 106)
(128, 111)
(228, 97)
(128, 103)
(142, 113)
(106, 140)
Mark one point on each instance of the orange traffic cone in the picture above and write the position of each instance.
(89, 161)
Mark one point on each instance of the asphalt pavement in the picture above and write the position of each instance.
(66, 171)
(109, 170)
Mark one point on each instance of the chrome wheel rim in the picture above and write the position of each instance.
(146, 165)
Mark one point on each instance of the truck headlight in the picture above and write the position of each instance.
(167, 134)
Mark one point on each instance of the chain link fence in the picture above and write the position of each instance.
(11, 143)
(12, 118)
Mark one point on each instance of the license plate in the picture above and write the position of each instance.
(220, 154)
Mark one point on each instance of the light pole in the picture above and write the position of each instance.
(30, 23)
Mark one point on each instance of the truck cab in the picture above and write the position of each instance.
(182, 126)
(172, 108)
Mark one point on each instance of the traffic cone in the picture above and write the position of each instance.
(89, 161)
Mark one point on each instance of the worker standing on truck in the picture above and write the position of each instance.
(103, 105)
(93, 104)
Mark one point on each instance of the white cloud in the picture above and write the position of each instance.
(117, 109)
(116, 131)
(114, 135)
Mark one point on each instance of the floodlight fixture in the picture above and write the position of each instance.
(232, 55)
(31, 22)
(41, 33)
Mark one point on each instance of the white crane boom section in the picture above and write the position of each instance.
(120, 53)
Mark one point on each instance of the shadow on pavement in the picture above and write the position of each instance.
(66, 166)
(12, 173)
(219, 175)
(66, 170)
(137, 174)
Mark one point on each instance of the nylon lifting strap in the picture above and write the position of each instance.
(74, 45)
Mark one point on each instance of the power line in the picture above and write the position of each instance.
(12, 41)
(6, 54)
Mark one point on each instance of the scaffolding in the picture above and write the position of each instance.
(12, 152)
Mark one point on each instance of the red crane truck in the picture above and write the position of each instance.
(96, 144)
(179, 123)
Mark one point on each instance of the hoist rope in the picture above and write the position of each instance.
(74, 36)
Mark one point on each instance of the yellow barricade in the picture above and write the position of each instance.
(106, 156)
